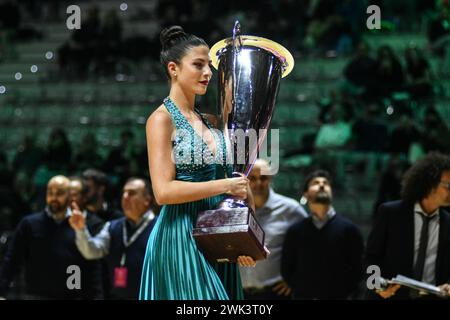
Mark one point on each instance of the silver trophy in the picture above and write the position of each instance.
(249, 72)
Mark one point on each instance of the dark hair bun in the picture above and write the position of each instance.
(171, 35)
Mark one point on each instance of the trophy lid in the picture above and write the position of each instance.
(277, 49)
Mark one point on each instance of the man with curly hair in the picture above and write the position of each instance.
(411, 236)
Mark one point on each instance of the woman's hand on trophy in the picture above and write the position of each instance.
(246, 261)
(238, 187)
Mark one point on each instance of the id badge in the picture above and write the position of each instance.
(120, 277)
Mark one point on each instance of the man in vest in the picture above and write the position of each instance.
(122, 241)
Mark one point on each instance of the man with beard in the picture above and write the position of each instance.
(322, 255)
(44, 244)
(275, 213)
(411, 236)
(97, 182)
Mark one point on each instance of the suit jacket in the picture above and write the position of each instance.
(391, 243)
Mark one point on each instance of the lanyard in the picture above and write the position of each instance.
(147, 218)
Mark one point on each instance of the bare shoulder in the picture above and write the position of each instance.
(160, 117)
(212, 119)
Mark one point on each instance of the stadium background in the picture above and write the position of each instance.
(354, 103)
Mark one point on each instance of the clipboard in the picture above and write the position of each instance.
(422, 287)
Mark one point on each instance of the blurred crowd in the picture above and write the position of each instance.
(78, 230)
(14, 28)
(383, 118)
(313, 27)
(384, 114)
(385, 107)
(78, 246)
(24, 180)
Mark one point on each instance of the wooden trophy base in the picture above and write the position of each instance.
(224, 234)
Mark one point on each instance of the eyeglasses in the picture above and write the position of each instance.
(445, 184)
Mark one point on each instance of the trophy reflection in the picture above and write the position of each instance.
(249, 72)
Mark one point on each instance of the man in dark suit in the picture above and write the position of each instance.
(411, 237)
(44, 246)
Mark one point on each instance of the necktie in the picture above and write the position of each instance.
(421, 256)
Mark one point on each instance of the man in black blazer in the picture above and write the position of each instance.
(411, 236)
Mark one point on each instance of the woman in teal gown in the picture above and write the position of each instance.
(189, 175)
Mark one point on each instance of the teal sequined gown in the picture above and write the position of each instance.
(174, 268)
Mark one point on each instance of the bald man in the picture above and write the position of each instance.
(275, 213)
(44, 246)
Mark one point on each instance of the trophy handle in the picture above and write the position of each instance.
(235, 49)
(236, 174)
(231, 202)
(237, 40)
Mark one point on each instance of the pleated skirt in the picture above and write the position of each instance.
(175, 269)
